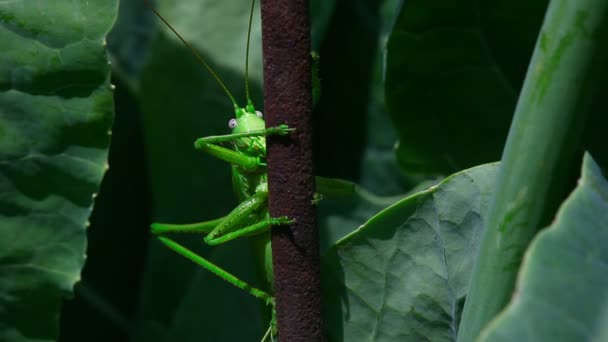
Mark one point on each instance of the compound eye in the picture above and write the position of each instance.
(259, 114)
(232, 123)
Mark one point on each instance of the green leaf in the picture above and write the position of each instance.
(562, 289)
(379, 170)
(56, 109)
(344, 206)
(403, 274)
(537, 163)
(130, 39)
(453, 72)
(341, 115)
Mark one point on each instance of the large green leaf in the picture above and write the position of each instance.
(562, 290)
(55, 114)
(130, 39)
(101, 310)
(537, 163)
(380, 171)
(341, 115)
(453, 72)
(403, 274)
(344, 206)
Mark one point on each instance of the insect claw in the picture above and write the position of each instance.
(284, 220)
(285, 130)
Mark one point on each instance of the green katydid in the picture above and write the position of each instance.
(249, 177)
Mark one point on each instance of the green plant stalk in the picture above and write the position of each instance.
(544, 135)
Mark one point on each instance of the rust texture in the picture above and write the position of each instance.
(288, 99)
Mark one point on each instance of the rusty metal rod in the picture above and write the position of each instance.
(288, 99)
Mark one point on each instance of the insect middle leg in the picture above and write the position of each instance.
(253, 229)
(198, 227)
(234, 225)
(227, 228)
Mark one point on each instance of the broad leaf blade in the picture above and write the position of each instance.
(55, 114)
(562, 290)
(453, 72)
(344, 206)
(403, 275)
(130, 39)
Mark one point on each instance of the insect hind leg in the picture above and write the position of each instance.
(211, 267)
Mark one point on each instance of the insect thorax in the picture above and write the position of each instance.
(245, 183)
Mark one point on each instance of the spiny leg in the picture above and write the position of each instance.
(239, 216)
(272, 327)
(253, 229)
(214, 139)
(267, 334)
(267, 298)
(231, 156)
(208, 144)
(199, 227)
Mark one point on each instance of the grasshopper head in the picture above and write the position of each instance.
(248, 121)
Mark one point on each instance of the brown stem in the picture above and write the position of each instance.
(288, 99)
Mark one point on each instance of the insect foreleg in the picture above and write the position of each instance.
(267, 298)
(231, 156)
(214, 139)
(209, 145)
(199, 227)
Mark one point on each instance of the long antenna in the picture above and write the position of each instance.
(249, 103)
(196, 54)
